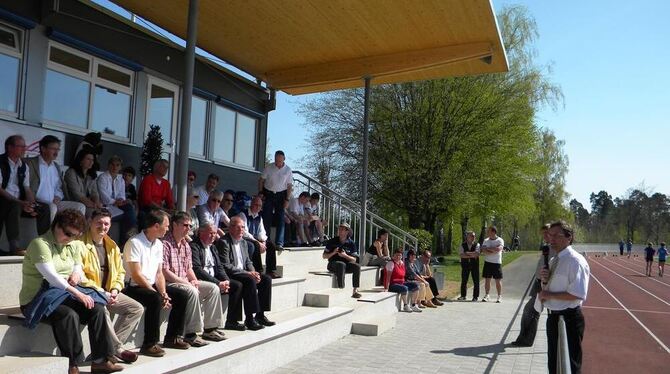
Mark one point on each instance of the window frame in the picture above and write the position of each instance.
(93, 80)
(18, 53)
(204, 156)
(212, 130)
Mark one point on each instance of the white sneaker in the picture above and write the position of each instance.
(486, 298)
(407, 309)
(499, 299)
(416, 309)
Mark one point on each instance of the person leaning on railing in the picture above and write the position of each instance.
(566, 284)
(52, 270)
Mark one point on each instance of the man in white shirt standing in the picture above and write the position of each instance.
(566, 285)
(492, 249)
(207, 188)
(46, 183)
(112, 191)
(15, 194)
(275, 184)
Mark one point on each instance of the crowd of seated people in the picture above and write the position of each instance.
(176, 261)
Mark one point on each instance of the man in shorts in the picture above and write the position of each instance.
(492, 249)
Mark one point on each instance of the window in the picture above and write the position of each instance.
(161, 110)
(10, 65)
(85, 92)
(198, 126)
(234, 137)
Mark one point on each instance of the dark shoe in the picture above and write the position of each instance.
(105, 367)
(263, 320)
(73, 370)
(153, 351)
(437, 302)
(517, 343)
(273, 275)
(175, 343)
(234, 326)
(279, 248)
(253, 325)
(127, 356)
(356, 295)
(195, 341)
(213, 336)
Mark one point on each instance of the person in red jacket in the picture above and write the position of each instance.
(155, 190)
(394, 280)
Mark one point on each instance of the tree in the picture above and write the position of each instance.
(152, 150)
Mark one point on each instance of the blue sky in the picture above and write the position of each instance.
(611, 60)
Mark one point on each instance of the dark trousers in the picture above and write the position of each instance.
(257, 297)
(152, 303)
(178, 299)
(43, 218)
(270, 256)
(273, 213)
(65, 322)
(128, 221)
(574, 326)
(530, 317)
(433, 286)
(9, 218)
(621, 251)
(340, 268)
(469, 266)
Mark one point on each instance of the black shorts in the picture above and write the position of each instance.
(492, 270)
(648, 259)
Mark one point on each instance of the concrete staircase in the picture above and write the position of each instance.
(308, 311)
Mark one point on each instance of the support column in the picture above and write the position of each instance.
(364, 175)
(184, 129)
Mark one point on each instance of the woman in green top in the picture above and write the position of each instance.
(55, 258)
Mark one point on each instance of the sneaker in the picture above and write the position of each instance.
(462, 298)
(486, 298)
(474, 299)
(416, 309)
(407, 309)
(153, 351)
(499, 299)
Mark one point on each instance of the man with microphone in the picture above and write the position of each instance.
(530, 316)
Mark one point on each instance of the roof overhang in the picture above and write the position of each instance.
(307, 46)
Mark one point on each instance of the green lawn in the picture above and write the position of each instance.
(451, 266)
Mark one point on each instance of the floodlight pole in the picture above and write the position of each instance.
(364, 175)
(184, 129)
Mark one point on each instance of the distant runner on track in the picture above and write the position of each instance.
(662, 254)
(649, 257)
(629, 247)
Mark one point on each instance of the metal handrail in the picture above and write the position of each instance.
(335, 208)
(563, 354)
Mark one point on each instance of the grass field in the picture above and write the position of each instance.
(451, 267)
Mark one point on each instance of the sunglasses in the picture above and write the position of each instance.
(215, 200)
(70, 234)
(229, 200)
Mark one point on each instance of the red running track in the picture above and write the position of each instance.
(627, 318)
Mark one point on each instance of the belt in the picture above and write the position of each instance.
(566, 311)
(273, 192)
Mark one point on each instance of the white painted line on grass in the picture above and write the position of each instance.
(614, 272)
(667, 350)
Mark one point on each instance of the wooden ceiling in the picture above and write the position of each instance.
(307, 46)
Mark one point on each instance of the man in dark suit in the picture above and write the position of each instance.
(256, 287)
(208, 268)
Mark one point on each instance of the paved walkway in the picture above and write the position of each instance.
(459, 337)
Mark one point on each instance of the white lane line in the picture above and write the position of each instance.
(667, 350)
(632, 310)
(635, 271)
(613, 272)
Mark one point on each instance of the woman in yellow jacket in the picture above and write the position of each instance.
(103, 268)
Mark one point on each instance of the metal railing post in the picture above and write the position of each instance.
(563, 354)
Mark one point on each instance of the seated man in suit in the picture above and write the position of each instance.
(208, 268)
(235, 259)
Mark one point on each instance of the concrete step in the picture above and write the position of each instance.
(374, 313)
(327, 297)
(373, 326)
(29, 363)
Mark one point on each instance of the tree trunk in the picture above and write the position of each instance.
(464, 226)
(450, 236)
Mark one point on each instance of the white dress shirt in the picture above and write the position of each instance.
(50, 182)
(111, 188)
(13, 183)
(570, 275)
(215, 217)
(276, 179)
(203, 195)
(238, 255)
(209, 261)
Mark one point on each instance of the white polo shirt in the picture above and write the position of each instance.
(276, 179)
(149, 255)
(495, 258)
(571, 275)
